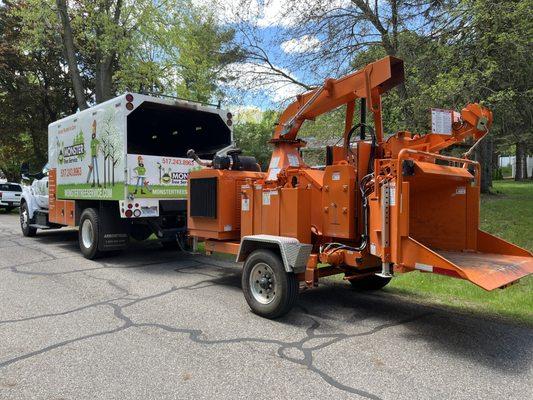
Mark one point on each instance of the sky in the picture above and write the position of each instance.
(251, 88)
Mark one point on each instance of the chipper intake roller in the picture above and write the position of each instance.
(379, 206)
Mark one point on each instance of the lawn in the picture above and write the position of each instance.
(508, 214)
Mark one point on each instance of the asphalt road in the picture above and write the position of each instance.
(153, 324)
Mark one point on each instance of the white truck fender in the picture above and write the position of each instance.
(27, 196)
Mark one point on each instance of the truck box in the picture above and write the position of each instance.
(131, 149)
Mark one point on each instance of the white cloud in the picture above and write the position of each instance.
(304, 44)
(267, 13)
(231, 11)
(259, 79)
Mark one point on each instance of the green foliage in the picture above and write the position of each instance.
(199, 50)
(252, 137)
(34, 91)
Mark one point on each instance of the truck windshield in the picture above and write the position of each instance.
(162, 130)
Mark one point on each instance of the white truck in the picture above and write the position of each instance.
(119, 170)
(10, 195)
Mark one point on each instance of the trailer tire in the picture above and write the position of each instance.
(88, 233)
(372, 282)
(269, 290)
(25, 221)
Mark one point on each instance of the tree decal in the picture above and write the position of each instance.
(112, 147)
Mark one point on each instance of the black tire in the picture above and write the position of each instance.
(140, 232)
(284, 292)
(25, 221)
(372, 282)
(88, 233)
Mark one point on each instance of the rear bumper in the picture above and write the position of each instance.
(9, 203)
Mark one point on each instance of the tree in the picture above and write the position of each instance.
(70, 51)
(252, 137)
(34, 91)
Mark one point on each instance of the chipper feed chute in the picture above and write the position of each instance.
(439, 227)
(488, 270)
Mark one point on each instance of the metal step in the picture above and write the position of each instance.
(40, 226)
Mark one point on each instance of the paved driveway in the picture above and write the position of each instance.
(153, 324)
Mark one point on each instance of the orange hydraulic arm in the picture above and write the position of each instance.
(369, 83)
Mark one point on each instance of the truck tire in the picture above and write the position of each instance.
(140, 232)
(88, 233)
(269, 290)
(25, 221)
(372, 282)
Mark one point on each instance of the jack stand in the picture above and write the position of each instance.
(386, 271)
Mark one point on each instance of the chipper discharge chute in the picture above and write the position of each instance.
(378, 206)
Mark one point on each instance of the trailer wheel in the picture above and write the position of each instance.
(25, 221)
(88, 233)
(269, 290)
(372, 282)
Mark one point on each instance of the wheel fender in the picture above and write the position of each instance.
(27, 197)
(293, 253)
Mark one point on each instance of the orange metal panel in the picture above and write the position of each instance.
(437, 169)
(338, 201)
(226, 225)
(270, 212)
(247, 211)
(52, 200)
(295, 214)
(258, 208)
(70, 210)
(222, 247)
(438, 212)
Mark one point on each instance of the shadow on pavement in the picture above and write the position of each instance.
(470, 337)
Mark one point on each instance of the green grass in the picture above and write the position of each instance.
(507, 214)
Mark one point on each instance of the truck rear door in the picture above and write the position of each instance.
(10, 194)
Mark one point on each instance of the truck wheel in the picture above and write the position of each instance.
(25, 221)
(140, 232)
(88, 233)
(269, 290)
(372, 282)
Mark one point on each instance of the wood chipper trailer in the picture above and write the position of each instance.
(377, 207)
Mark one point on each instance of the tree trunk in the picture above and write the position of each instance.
(520, 171)
(105, 161)
(68, 43)
(484, 156)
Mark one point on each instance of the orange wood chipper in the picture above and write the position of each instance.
(376, 208)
